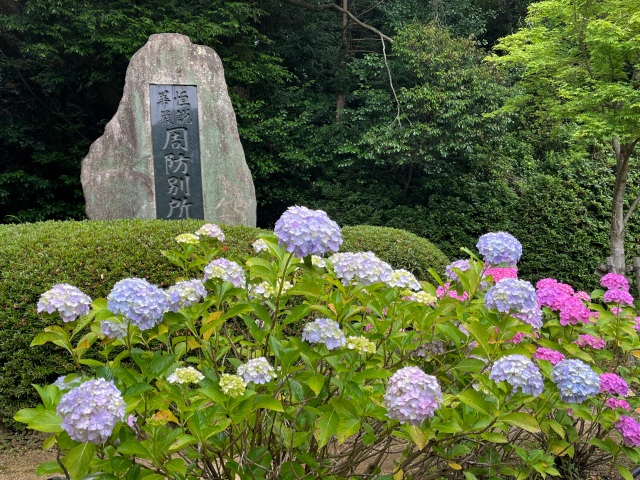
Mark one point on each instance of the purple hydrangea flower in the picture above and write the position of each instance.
(619, 296)
(575, 381)
(616, 403)
(461, 265)
(90, 411)
(65, 299)
(257, 370)
(519, 372)
(210, 230)
(142, 303)
(533, 317)
(63, 384)
(185, 294)
(614, 281)
(227, 270)
(629, 430)
(412, 396)
(112, 329)
(511, 295)
(362, 267)
(614, 384)
(404, 279)
(499, 248)
(573, 311)
(326, 331)
(548, 354)
(307, 232)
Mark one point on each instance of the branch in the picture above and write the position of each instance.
(332, 6)
(635, 203)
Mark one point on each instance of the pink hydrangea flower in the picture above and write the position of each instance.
(637, 323)
(498, 273)
(582, 295)
(618, 296)
(614, 281)
(616, 310)
(573, 311)
(614, 384)
(591, 341)
(629, 430)
(450, 292)
(615, 403)
(552, 356)
(552, 293)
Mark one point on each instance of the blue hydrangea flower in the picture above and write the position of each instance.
(519, 372)
(210, 230)
(260, 246)
(227, 270)
(63, 384)
(307, 232)
(412, 396)
(65, 299)
(324, 330)
(575, 381)
(404, 279)
(500, 248)
(461, 265)
(90, 411)
(185, 294)
(142, 303)
(511, 295)
(257, 370)
(112, 329)
(362, 267)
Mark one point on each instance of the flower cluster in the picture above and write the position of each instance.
(185, 294)
(552, 356)
(614, 384)
(422, 297)
(616, 403)
(90, 411)
(591, 341)
(307, 232)
(65, 299)
(500, 248)
(185, 375)
(188, 238)
(511, 295)
(618, 289)
(210, 230)
(412, 396)
(361, 344)
(260, 246)
(460, 265)
(629, 430)
(519, 372)
(227, 270)
(403, 279)
(362, 267)
(449, 291)
(325, 331)
(499, 273)
(63, 384)
(266, 290)
(113, 329)
(142, 303)
(575, 381)
(257, 370)
(552, 293)
(532, 317)
(232, 385)
(574, 311)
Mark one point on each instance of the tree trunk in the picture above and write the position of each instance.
(618, 223)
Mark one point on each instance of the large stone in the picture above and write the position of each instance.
(118, 173)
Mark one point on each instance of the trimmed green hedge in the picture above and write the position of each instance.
(93, 256)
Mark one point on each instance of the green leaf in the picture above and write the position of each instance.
(134, 447)
(161, 364)
(419, 437)
(296, 313)
(325, 427)
(238, 309)
(494, 437)
(315, 383)
(46, 421)
(78, 459)
(48, 468)
(268, 403)
(26, 415)
(624, 471)
(476, 401)
(521, 420)
(306, 288)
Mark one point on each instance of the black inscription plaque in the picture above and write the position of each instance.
(176, 151)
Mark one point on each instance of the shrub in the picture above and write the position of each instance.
(93, 256)
(319, 374)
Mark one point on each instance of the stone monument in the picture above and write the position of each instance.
(172, 150)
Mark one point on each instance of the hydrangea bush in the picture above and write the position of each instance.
(306, 362)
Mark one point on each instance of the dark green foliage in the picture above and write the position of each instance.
(93, 256)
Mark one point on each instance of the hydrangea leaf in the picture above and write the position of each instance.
(325, 427)
(78, 459)
(521, 420)
(476, 401)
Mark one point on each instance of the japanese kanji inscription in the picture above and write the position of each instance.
(176, 151)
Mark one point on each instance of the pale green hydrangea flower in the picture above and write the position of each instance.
(361, 344)
(185, 375)
(423, 297)
(232, 385)
(188, 238)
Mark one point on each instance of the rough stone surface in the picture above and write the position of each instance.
(117, 174)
